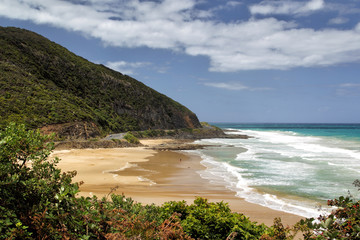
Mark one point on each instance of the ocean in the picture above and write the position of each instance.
(293, 168)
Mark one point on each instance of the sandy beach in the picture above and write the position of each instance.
(150, 176)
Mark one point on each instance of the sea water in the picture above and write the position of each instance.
(294, 168)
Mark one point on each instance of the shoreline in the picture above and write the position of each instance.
(151, 176)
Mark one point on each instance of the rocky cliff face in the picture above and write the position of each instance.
(44, 84)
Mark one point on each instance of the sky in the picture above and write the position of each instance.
(226, 60)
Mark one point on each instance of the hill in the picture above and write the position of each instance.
(44, 85)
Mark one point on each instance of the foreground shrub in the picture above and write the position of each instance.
(206, 220)
(30, 184)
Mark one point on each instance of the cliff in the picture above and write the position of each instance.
(44, 85)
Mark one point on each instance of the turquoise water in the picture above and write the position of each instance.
(288, 167)
(345, 131)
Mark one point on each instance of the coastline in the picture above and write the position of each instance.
(152, 176)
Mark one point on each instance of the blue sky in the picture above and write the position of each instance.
(227, 61)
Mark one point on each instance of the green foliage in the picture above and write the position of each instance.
(31, 184)
(208, 126)
(205, 220)
(118, 141)
(150, 133)
(131, 138)
(279, 231)
(205, 124)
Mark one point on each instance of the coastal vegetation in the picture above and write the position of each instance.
(131, 138)
(44, 84)
(38, 201)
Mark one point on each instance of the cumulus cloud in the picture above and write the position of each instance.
(286, 7)
(180, 26)
(314, 5)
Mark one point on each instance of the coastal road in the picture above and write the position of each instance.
(115, 136)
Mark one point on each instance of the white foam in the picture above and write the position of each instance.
(286, 157)
(249, 154)
(233, 178)
(221, 141)
(313, 149)
(127, 165)
(143, 179)
(222, 172)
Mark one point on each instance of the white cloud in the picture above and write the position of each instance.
(227, 86)
(226, 6)
(314, 5)
(270, 44)
(126, 67)
(286, 7)
(179, 26)
(338, 20)
(233, 3)
(233, 86)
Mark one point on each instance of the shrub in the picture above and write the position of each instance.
(31, 185)
(205, 220)
(131, 138)
(205, 124)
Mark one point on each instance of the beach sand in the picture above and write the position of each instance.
(149, 176)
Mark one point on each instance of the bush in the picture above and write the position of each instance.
(204, 220)
(131, 138)
(205, 124)
(31, 185)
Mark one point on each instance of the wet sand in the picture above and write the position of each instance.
(149, 176)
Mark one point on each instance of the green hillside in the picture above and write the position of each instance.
(42, 83)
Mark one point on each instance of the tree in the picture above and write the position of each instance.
(30, 183)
